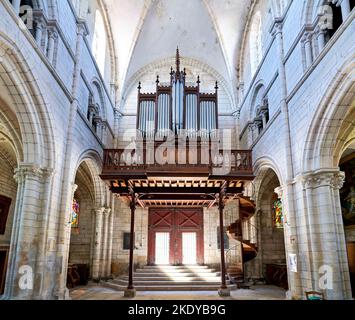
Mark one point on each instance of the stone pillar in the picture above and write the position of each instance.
(24, 278)
(292, 239)
(40, 28)
(236, 116)
(263, 119)
(63, 237)
(255, 130)
(223, 291)
(117, 117)
(109, 245)
(131, 292)
(52, 38)
(321, 38)
(250, 135)
(99, 213)
(326, 250)
(307, 39)
(107, 213)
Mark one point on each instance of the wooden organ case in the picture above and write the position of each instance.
(177, 109)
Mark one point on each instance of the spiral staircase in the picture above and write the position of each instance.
(249, 248)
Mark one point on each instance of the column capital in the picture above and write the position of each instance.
(236, 115)
(280, 192)
(107, 212)
(32, 171)
(307, 37)
(52, 33)
(82, 28)
(40, 22)
(99, 211)
(327, 177)
(277, 27)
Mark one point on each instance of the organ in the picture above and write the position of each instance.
(177, 109)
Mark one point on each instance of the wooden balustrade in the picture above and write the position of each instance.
(200, 159)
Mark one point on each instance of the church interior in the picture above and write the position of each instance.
(171, 149)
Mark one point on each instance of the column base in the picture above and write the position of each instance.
(130, 293)
(224, 292)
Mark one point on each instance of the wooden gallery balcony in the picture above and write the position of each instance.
(177, 176)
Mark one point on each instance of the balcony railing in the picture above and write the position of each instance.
(174, 161)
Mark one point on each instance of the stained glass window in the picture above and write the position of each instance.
(277, 213)
(74, 220)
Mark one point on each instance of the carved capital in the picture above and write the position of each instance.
(52, 34)
(99, 211)
(277, 28)
(236, 115)
(280, 192)
(107, 212)
(333, 179)
(33, 172)
(82, 28)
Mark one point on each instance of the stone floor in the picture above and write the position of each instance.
(95, 292)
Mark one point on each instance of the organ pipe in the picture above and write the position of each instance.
(177, 107)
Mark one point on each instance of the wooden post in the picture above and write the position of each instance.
(224, 291)
(131, 292)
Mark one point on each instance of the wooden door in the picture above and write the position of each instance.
(176, 222)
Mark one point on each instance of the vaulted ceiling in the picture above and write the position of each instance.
(146, 31)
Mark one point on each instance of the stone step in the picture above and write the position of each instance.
(198, 271)
(167, 283)
(170, 287)
(176, 279)
(193, 267)
(176, 274)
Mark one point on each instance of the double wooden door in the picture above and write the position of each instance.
(175, 236)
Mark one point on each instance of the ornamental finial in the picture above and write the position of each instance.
(177, 60)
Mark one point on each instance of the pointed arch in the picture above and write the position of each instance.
(29, 105)
(333, 123)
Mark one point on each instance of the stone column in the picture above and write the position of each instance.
(223, 291)
(130, 291)
(236, 116)
(99, 213)
(263, 118)
(255, 130)
(24, 276)
(117, 117)
(40, 28)
(68, 172)
(107, 213)
(326, 250)
(110, 242)
(321, 38)
(307, 40)
(250, 135)
(292, 239)
(288, 197)
(52, 38)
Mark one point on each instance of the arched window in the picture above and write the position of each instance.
(99, 42)
(256, 52)
(277, 212)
